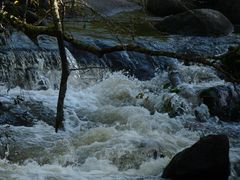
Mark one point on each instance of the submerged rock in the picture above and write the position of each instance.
(222, 101)
(201, 22)
(206, 159)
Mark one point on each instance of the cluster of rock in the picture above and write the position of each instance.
(195, 17)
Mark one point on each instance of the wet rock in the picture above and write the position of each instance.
(175, 78)
(164, 7)
(200, 22)
(18, 112)
(222, 101)
(174, 105)
(230, 8)
(207, 159)
(135, 64)
(43, 84)
(134, 159)
(18, 40)
(47, 42)
(201, 113)
(41, 112)
(16, 115)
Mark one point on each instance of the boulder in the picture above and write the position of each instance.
(19, 112)
(200, 22)
(12, 113)
(230, 8)
(164, 7)
(207, 159)
(222, 101)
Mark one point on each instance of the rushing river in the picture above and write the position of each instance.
(116, 126)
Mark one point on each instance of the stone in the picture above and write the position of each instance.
(230, 8)
(199, 22)
(207, 159)
(19, 112)
(201, 113)
(222, 101)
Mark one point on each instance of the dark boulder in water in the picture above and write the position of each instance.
(222, 101)
(200, 22)
(206, 160)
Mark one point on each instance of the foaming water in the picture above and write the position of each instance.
(115, 128)
(109, 134)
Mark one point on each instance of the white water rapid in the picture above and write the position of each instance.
(110, 132)
(116, 126)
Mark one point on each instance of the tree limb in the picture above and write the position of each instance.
(49, 30)
(29, 29)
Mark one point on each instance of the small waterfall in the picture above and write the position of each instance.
(31, 66)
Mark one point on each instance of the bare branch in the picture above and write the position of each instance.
(189, 58)
(87, 68)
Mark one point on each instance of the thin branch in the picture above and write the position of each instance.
(27, 28)
(49, 30)
(87, 68)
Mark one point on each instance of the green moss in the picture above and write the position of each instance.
(167, 107)
(166, 85)
(175, 90)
